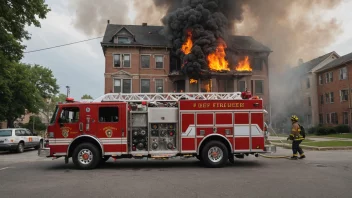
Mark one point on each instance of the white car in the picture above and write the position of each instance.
(17, 139)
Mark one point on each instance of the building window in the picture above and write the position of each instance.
(259, 85)
(321, 121)
(159, 61)
(320, 80)
(344, 95)
(258, 64)
(145, 85)
(321, 99)
(308, 83)
(108, 114)
(343, 73)
(122, 85)
(145, 61)
(334, 119)
(309, 102)
(329, 77)
(241, 85)
(331, 97)
(122, 60)
(328, 118)
(327, 98)
(123, 40)
(309, 119)
(159, 85)
(126, 60)
(345, 117)
(117, 60)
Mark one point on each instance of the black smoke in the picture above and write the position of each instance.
(208, 24)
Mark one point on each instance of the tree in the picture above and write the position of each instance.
(85, 96)
(29, 89)
(36, 122)
(14, 16)
(48, 106)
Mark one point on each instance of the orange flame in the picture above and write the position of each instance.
(188, 44)
(193, 81)
(244, 65)
(216, 60)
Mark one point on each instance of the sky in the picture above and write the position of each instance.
(81, 66)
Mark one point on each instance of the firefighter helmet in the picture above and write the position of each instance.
(294, 118)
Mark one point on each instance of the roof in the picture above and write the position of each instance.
(337, 62)
(314, 62)
(153, 36)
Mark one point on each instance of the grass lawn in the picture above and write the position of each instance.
(346, 135)
(327, 143)
(289, 142)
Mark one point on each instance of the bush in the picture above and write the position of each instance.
(330, 130)
(342, 129)
(321, 131)
(312, 130)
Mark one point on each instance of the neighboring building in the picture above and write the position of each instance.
(140, 59)
(334, 86)
(309, 88)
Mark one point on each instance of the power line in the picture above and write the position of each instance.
(63, 45)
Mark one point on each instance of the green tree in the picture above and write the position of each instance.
(85, 96)
(44, 80)
(14, 16)
(48, 107)
(36, 122)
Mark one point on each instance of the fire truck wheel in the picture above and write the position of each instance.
(86, 156)
(214, 154)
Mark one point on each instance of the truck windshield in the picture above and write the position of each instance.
(54, 115)
(5, 132)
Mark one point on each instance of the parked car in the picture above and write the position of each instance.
(17, 139)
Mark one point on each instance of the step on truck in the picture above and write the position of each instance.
(213, 127)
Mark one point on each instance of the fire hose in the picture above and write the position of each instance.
(275, 156)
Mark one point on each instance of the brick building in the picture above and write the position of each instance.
(309, 88)
(138, 58)
(334, 91)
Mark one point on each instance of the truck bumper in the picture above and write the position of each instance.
(270, 148)
(44, 152)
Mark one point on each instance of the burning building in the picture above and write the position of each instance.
(192, 52)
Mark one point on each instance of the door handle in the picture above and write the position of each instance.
(123, 132)
(81, 126)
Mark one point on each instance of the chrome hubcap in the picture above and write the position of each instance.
(215, 154)
(85, 156)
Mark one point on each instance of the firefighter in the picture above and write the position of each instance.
(296, 138)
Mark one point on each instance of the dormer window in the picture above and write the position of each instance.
(123, 40)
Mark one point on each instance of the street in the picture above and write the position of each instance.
(322, 174)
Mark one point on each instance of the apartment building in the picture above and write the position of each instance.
(139, 58)
(309, 89)
(334, 91)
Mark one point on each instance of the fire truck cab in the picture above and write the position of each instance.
(214, 127)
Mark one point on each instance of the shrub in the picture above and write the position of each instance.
(321, 131)
(312, 130)
(342, 128)
(330, 130)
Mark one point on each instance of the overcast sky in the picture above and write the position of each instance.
(81, 66)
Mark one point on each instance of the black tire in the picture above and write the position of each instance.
(215, 163)
(94, 156)
(20, 147)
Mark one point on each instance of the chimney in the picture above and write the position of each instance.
(300, 61)
(108, 21)
(144, 24)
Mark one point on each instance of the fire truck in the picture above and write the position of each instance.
(213, 127)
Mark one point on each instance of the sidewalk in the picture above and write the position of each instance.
(318, 139)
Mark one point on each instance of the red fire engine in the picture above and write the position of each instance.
(214, 127)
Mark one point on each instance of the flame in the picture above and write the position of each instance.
(188, 44)
(193, 81)
(244, 65)
(216, 60)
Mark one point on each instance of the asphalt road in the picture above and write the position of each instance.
(322, 174)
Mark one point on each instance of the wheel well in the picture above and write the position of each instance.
(80, 140)
(21, 142)
(215, 138)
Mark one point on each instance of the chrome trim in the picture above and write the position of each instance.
(96, 139)
(214, 134)
(44, 152)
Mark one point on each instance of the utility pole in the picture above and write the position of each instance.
(68, 90)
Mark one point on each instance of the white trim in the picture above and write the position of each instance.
(190, 131)
(140, 62)
(240, 151)
(163, 57)
(188, 151)
(122, 64)
(214, 134)
(57, 154)
(162, 79)
(121, 84)
(140, 85)
(94, 138)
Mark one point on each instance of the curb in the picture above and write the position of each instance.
(314, 148)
